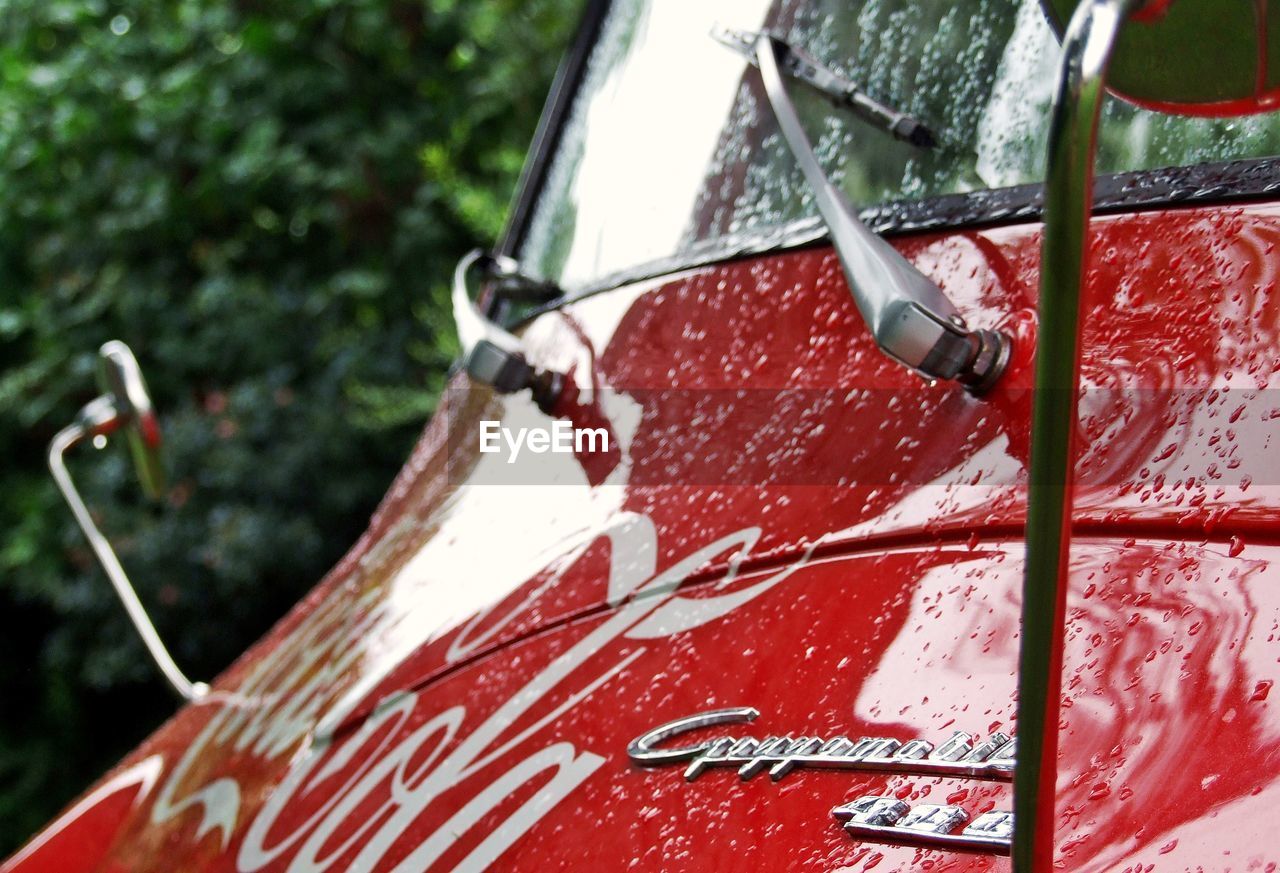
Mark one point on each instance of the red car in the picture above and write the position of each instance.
(957, 547)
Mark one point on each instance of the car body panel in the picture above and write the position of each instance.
(793, 522)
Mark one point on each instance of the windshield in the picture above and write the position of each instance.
(670, 147)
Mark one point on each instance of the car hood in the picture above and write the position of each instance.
(784, 520)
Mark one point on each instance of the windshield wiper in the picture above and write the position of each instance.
(841, 92)
(910, 317)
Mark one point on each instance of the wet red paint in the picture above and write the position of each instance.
(903, 502)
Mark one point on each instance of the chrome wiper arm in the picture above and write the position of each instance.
(910, 317)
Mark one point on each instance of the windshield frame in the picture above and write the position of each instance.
(1240, 180)
(546, 137)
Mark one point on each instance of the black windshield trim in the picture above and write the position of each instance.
(1200, 184)
(546, 138)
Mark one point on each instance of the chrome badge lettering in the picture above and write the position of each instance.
(960, 755)
(927, 825)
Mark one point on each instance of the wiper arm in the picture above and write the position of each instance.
(910, 317)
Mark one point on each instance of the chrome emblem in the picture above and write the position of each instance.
(961, 755)
(930, 826)
(872, 818)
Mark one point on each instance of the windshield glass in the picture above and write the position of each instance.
(671, 147)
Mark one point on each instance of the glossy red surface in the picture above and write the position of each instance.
(791, 522)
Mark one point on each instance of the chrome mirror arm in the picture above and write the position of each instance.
(910, 317)
(98, 418)
(1087, 46)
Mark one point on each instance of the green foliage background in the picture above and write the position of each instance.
(264, 198)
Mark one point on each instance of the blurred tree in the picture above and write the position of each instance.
(265, 200)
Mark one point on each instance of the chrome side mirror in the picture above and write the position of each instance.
(1195, 57)
(124, 406)
(123, 387)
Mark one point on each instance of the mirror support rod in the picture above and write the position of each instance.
(910, 317)
(1086, 51)
(98, 418)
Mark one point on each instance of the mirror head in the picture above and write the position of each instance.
(123, 387)
(1193, 57)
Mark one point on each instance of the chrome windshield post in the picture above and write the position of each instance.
(910, 317)
(1086, 51)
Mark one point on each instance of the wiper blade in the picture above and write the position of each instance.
(842, 92)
